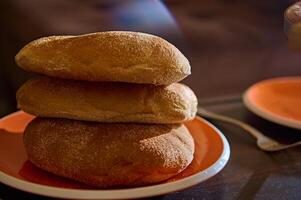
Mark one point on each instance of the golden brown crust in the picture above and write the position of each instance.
(107, 101)
(106, 56)
(108, 154)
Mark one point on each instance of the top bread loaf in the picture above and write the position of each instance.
(106, 56)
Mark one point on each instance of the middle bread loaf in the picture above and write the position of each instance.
(107, 102)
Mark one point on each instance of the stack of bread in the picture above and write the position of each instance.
(109, 109)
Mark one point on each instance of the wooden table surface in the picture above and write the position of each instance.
(230, 44)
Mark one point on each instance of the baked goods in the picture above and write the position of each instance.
(109, 108)
(107, 102)
(105, 155)
(106, 56)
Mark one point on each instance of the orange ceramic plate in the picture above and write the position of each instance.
(277, 100)
(211, 155)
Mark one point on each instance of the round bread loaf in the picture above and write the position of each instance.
(107, 101)
(106, 155)
(106, 56)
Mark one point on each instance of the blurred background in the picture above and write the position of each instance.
(231, 44)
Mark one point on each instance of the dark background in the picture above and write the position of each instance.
(230, 44)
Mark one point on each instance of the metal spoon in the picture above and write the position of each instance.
(263, 142)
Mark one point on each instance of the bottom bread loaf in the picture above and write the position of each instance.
(105, 155)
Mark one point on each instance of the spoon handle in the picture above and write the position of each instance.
(207, 114)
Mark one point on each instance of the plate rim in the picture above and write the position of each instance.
(265, 114)
(139, 192)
